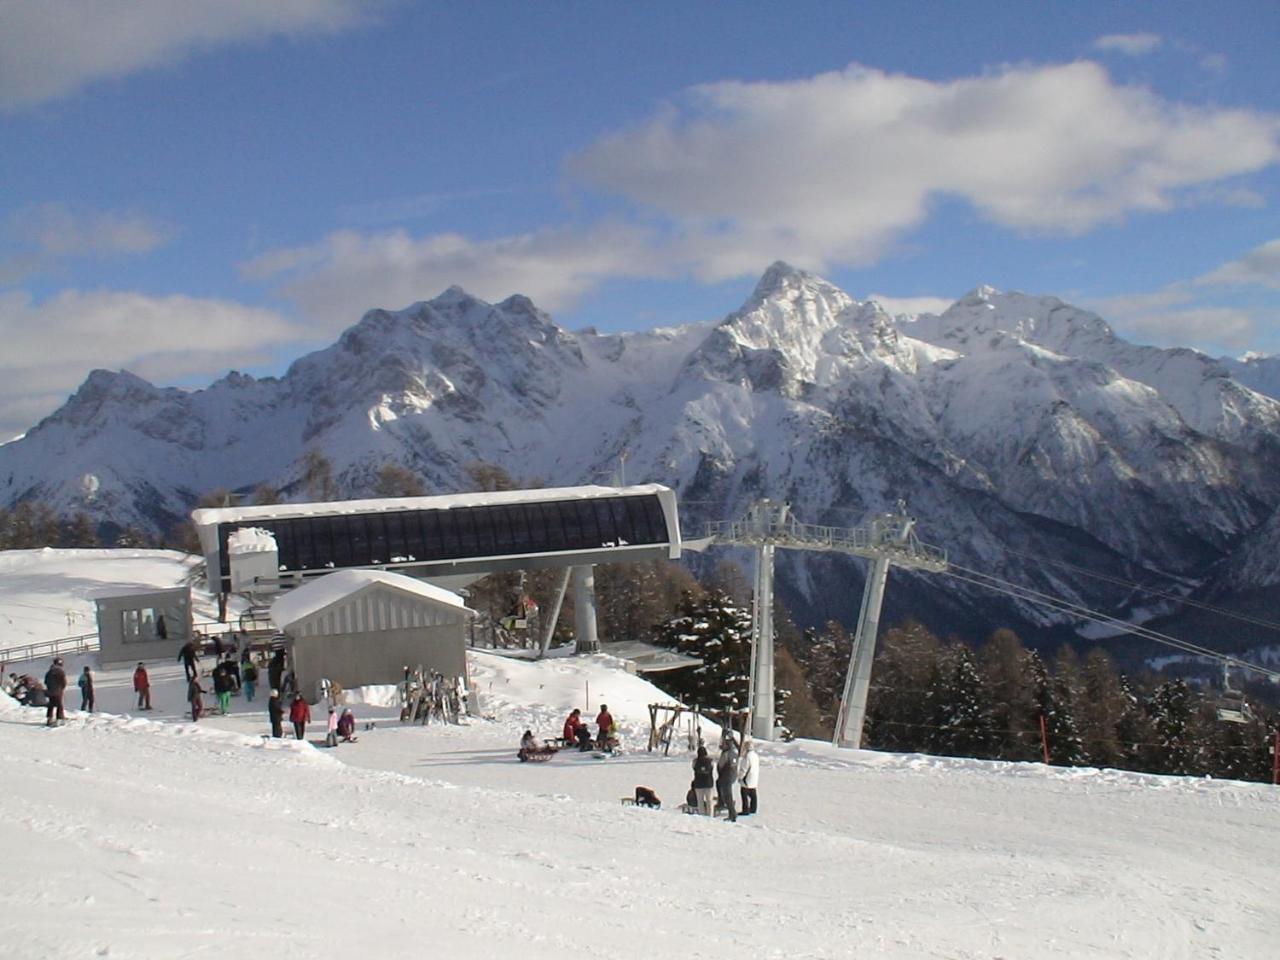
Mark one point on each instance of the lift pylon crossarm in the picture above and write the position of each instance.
(889, 535)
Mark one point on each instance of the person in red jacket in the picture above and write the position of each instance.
(299, 714)
(142, 687)
(571, 725)
(604, 721)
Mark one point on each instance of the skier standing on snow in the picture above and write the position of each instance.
(604, 721)
(749, 778)
(195, 694)
(142, 686)
(55, 684)
(703, 781)
(222, 686)
(727, 775)
(248, 677)
(299, 714)
(86, 690)
(331, 735)
(275, 710)
(189, 659)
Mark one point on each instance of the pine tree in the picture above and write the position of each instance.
(79, 532)
(1134, 729)
(717, 630)
(634, 599)
(1053, 697)
(1178, 750)
(898, 711)
(959, 724)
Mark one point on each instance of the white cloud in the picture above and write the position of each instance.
(1259, 267)
(52, 48)
(1130, 44)
(347, 273)
(911, 306)
(50, 346)
(1211, 328)
(1184, 314)
(37, 237)
(835, 168)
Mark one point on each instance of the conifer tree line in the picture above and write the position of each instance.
(950, 700)
(31, 525)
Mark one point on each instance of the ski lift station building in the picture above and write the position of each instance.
(446, 540)
(437, 538)
(360, 627)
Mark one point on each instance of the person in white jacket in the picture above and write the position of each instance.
(749, 777)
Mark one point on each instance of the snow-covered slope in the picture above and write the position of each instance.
(152, 837)
(148, 838)
(1012, 425)
(47, 594)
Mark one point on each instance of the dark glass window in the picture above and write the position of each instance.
(376, 524)
(608, 530)
(341, 535)
(303, 555)
(395, 536)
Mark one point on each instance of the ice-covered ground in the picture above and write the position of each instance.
(151, 837)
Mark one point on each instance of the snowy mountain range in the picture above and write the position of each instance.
(1030, 440)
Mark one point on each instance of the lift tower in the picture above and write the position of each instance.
(887, 539)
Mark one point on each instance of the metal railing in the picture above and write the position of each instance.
(62, 646)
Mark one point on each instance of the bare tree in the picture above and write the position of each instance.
(397, 481)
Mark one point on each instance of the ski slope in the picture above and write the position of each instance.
(152, 837)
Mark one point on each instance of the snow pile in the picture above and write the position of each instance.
(251, 540)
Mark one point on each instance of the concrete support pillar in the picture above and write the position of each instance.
(762, 719)
(584, 609)
(853, 705)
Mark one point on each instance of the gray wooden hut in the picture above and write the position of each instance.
(138, 625)
(362, 627)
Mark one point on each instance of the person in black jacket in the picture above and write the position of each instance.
(86, 691)
(55, 683)
(189, 657)
(703, 781)
(195, 697)
(275, 710)
(727, 775)
(275, 670)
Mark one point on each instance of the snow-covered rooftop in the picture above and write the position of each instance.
(315, 595)
(211, 516)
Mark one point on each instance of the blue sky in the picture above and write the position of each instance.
(190, 187)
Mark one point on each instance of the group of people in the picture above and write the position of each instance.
(228, 677)
(340, 727)
(720, 775)
(577, 733)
